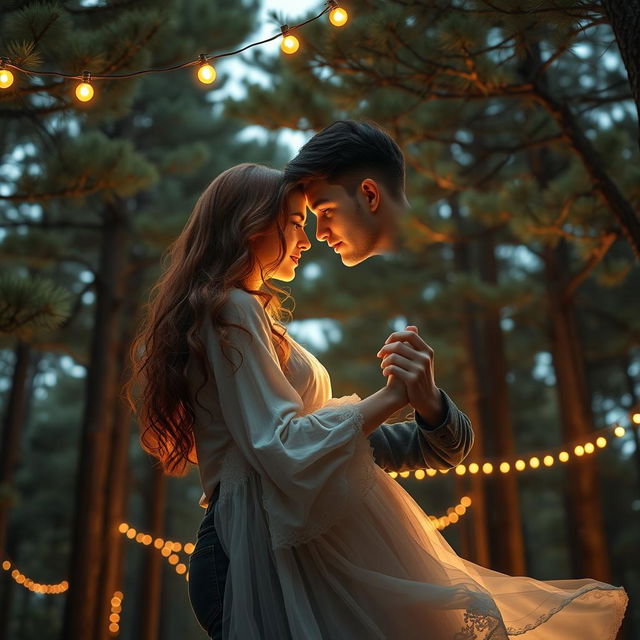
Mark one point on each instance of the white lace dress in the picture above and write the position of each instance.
(322, 543)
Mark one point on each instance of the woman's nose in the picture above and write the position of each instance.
(305, 243)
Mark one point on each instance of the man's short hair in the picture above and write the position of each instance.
(344, 152)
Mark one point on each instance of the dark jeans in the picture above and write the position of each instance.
(208, 567)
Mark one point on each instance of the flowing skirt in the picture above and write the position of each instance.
(384, 571)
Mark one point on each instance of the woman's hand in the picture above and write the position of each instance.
(397, 388)
(408, 359)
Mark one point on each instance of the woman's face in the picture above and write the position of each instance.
(266, 247)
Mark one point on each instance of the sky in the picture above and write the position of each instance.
(292, 11)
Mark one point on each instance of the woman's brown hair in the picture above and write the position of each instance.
(210, 256)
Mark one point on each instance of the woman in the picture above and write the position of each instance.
(307, 536)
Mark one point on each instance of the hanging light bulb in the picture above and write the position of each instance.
(337, 16)
(6, 77)
(206, 73)
(290, 44)
(84, 91)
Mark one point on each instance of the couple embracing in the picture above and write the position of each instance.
(305, 535)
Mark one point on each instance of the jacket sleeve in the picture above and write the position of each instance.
(405, 446)
(311, 465)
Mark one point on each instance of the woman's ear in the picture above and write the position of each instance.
(371, 192)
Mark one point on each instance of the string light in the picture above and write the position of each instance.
(337, 16)
(168, 549)
(114, 615)
(206, 72)
(540, 461)
(84, 91)
(290, 44)
(453, 514)
(28, 583)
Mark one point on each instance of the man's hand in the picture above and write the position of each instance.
(408, 358)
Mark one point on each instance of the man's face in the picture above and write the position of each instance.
(346, 223)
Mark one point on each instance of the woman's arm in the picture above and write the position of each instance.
(377, 407)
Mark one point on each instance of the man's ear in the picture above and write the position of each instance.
(371, 191)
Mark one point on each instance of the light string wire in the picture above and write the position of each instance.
(86, 76)
(540, 459)
(169, 549)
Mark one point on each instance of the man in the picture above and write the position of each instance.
(353, 179)
(353, 176)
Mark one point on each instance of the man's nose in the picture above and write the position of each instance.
(322, 232)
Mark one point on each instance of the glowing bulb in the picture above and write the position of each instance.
(461, 469)
(419, 474)
(474, 468)
(465, 501)
(601, 442)
(635, 418)
(84, 92)
(405, 474)
(619, 432)
(123, 528)
(181, 568)
(206, 74)
(338, 16)
(563, 456)
(393, 474)
(431, 472)
(6, 565)
(579, 450)
(188, 548)
(504, 467)
(520, 465)
(290, 44)
(589, 447)
(534, 462)
(548, 461)
(460, 510)
(6, 78)
(487, 467)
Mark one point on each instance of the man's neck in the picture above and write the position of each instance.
(391, 240)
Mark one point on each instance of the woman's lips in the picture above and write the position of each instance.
(336, 246)
(295, 259)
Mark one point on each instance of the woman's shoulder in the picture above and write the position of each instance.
(243, 306)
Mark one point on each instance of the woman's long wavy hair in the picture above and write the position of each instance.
(212, 255)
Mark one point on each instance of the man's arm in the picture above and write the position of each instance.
(417, 445)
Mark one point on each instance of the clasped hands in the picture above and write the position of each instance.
(407, 363)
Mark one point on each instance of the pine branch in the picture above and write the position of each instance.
(596, 257)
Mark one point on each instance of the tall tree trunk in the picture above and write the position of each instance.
(116, 501)
(81, 606)
(476, 522)
(507, 551)
(588, 548)
(9, 589)
(14, 419)
(590, 555)
(152, 579)
(11, 430)
(634, 406)
(624, 16)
